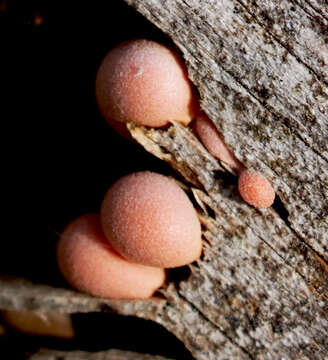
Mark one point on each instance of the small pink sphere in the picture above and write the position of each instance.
(255, 189)
(148, 219)
(213, 142)
(146, 83)
(90, 265)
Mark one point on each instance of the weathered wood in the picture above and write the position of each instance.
(260, 290)
(258, 282)
(260, 68)
(271, 108)
(181, 320)
(21, 294)
(297, 28)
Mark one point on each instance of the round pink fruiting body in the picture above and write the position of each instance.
(146, 83)
(90, 265)
(255, 189)
(213, 142)
(149, 219)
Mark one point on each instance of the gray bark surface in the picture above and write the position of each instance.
(260, 290)
(269, 102)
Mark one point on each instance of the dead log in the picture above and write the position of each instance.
(260, 290)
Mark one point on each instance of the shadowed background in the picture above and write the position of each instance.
(62, 156)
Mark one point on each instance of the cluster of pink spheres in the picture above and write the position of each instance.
(146, 223)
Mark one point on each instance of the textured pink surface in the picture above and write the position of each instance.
(89, 264)
(150, 220)
(146, 83)
(213, 142)
(255, 189)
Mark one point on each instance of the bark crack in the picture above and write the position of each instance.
(284, 123)
(298, 236)
(282, 44)
(313, 8)
(202, 315)
(288, 224)
(286, 260)
(282, 119)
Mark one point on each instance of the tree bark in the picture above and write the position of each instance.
(260, 290)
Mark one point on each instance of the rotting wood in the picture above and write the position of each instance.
(261, 72)
(270, 107)
(21, 294)
(257, 282)
(260, 289)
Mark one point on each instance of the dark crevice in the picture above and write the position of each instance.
(280, 209)
(203, 228)
(284, 215)
(179, 274)
(126, 333)
(298, 196)
(164, 150)
(207, 241)
(100, 331)
(210, 212)
(227, 177)
(202, 257)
